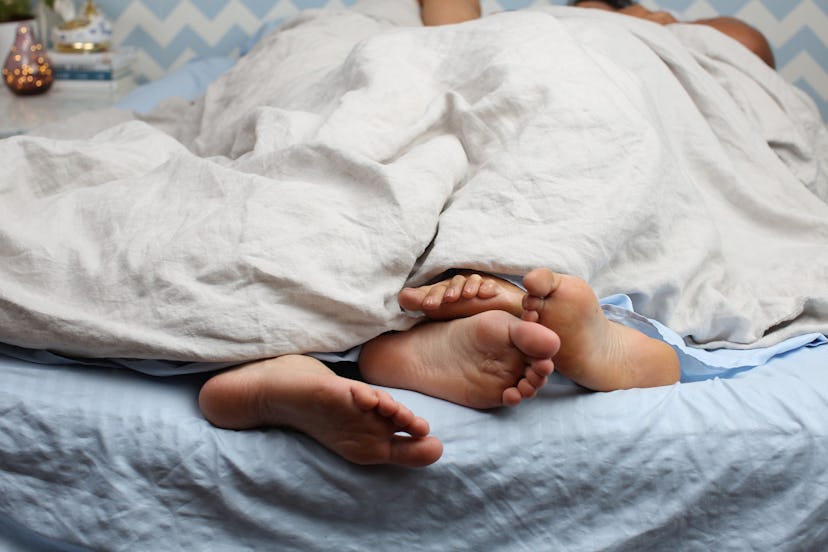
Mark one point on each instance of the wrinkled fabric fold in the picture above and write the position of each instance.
(348, 155)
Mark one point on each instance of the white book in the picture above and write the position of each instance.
(114, 60)
(95, 87)
(90, 74)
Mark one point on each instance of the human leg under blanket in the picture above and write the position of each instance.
(594, 352)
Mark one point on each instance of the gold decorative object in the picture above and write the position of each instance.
(91, 32)
(27, 69)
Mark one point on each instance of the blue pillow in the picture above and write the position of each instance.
(190, 82)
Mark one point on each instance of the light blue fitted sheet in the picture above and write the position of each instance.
(112, 459)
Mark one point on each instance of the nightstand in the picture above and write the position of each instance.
(19, 114)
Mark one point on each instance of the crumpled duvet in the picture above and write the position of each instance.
(351, 153)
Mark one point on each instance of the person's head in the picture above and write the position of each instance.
(751, 38)
(627, 7)
(610, 5)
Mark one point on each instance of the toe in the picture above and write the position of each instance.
(472, 286)
(542, 367)
(413, 452)
(535, 380)
(529, 389)
(365, 397)
(530, 315)
(534, 340)
(411, 298)
(402, 417)
(435, 297)
(540, 282)
(416, 427)
(488, 289)
(512, 396)
(386, 405)
(455, 288)
(532, 302)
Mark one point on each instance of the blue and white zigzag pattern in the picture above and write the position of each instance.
(167, 33)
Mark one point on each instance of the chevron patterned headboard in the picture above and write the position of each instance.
(169, 32)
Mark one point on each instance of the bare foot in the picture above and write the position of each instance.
(351, 418)
(487, 360)
(595, 352)
(465, 294)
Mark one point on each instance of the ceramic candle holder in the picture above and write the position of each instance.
(91, 32)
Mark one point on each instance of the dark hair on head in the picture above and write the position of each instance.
(617, 4)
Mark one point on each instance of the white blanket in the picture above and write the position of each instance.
(348, 155)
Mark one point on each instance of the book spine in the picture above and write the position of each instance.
(92, 62)
(87, 86)
(91, 84)
(62, 74)
(79, 67)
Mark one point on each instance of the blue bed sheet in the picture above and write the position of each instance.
(99, 458)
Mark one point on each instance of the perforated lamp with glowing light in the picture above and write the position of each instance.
(27, 69)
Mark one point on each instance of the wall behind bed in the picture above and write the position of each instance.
(168, 33)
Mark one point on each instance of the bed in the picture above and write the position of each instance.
(709, 230)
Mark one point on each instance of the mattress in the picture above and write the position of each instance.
(106, 458)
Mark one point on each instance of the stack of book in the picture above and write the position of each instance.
(94, 73)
